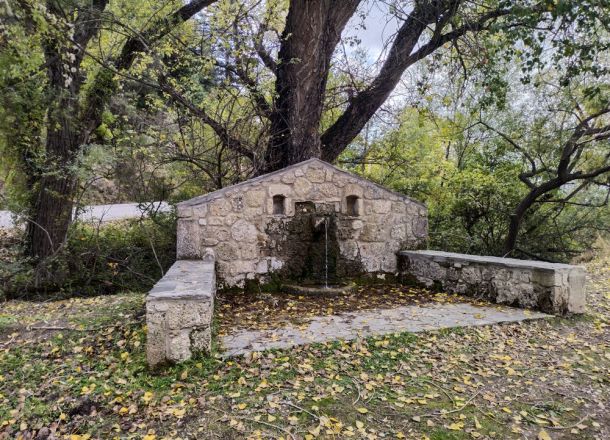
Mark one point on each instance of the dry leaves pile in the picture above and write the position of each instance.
(76, 369)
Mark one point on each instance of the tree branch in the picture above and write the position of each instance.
(141, 42)
(401, 56)
(225, 137)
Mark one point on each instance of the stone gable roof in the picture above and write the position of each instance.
(270, 176)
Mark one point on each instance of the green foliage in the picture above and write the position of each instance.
(97, 259)
(470, 181)
(130, 255)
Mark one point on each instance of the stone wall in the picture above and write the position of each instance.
(251, 241)
(551, 288)
(179, 311)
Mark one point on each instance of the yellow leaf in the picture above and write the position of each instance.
(543, 435)
(271, 418)
(147, 396)
(456, 426)
(124, 410)
(362, 410)
(359, 424)
(179, 412)
(242, 406)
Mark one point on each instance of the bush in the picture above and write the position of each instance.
(101, 259)
(128, 255)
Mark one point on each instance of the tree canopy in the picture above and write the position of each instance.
(493, 112)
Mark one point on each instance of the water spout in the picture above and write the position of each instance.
(326, 252)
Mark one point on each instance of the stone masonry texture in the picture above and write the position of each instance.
(179, 311)
(552, 288)
(251, 242)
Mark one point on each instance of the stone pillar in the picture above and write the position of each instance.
(179, 311)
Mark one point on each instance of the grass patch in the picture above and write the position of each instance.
(504, 381)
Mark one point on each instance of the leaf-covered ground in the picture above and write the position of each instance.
(76, 369)
(261, 311)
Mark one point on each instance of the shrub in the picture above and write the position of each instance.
(126, 255)
(100, 259)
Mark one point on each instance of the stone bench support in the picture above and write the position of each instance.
(549, 287)
(179, 312)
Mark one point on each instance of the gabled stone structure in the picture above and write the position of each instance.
(288, 222)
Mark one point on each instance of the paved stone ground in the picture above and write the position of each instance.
(373, 322)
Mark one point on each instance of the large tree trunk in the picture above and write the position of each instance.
(57, 182)
(70, 122)
(313, 29)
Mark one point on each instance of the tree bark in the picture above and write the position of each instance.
(68, 127)
(56, 187)
(312, 31)
(516, 218)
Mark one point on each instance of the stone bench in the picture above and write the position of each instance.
(549, 287)
(179, 312)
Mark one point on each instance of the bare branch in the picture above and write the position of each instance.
(225, 137)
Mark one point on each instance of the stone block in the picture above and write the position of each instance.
(288, 177)
(302, 186)
(382, 206)
(328, 190)
(372, 232)
(200, 210)
(187, 313)
(179, 311)
(551, 288)
(255, 198)
(215, 221)
(279, 189)
(315, 174)
(374, 192)
(201, 340)
(340, 180)
(399, 232)
(184, 211)
(399, 207)
(353, 189)
(220, 207)
(248, 251)
(188, 239)
(226, 251)
(244, 231)
(237, 203)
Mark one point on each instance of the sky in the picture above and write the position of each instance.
(378, 26)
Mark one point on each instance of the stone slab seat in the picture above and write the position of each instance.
(550, 287)
(179, 311)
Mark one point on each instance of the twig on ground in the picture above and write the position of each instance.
(468, 402)
(558, 428)
(301, 409)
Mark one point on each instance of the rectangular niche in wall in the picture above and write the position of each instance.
(304, 207)
(279, 202)
(352, 205)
